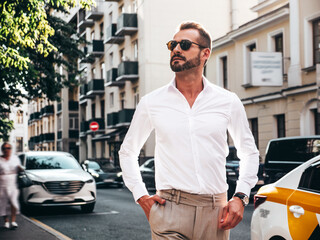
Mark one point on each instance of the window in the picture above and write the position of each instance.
(101, 31)
(121, 9)
(121, 53)
(103, 70)
(316, 121)
(122, 100)
(60, 123)
(254, 129)
(19, 144)
(102, 108)
(135, 49)
(281, 127)
(134, 6)
(111, 60)
(92, 35)
(310, 179)
(93, 73)
(110, 18)
(316, 41)
(251, 47)
(224, 71)
(73, 121)
(136, 96)
(93, 110)
(111, 99)
(20, 117)
(278, 43)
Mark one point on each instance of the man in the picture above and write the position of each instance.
(190, 117)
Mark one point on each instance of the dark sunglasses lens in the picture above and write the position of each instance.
(185, 44)
(172, 45)
(7, 148)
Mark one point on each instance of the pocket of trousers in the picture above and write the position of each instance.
(151, 213)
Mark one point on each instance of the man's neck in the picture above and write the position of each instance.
(189, 83)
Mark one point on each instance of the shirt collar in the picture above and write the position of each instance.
(206, 84)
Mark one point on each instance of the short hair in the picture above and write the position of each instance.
(205, 38)
(4, 144)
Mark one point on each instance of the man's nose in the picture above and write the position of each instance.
(177, 49)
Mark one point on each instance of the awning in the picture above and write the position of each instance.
(111, 135)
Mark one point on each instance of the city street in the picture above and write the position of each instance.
(116, 216)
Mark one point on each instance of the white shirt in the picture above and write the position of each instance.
(191, 143)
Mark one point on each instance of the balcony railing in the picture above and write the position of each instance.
(83, 22)
(95, 49)
(83, 90)
(94, 14)
(89, 58)
(128, 70)
(47, 111)
(73, 105)
(111, 79)
(95, 87)
(34, 116)
(73, 133)
(127, 24)
(111, 35)
(120, 119)
(47, 137)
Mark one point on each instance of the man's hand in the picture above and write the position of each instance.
(146, 203)
(232, 214)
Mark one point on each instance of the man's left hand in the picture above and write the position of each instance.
(232, 214)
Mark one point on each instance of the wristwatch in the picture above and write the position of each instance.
(243, 197)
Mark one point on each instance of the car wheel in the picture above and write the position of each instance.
(88, 208)
(277, 238)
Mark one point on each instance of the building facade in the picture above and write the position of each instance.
(291, 29)
(127, 58)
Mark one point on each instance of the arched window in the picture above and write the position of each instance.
(20, 117)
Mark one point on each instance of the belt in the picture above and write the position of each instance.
(191, 199)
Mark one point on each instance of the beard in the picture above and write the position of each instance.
(192, 63)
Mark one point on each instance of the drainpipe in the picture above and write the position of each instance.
(234, 14)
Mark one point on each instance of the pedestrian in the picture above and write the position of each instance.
(9, 192)
(191, 117)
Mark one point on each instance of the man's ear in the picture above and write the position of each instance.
(206, 54)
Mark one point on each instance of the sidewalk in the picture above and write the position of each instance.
(30, 229)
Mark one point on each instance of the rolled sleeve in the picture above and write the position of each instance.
(139, 131)
(245, 145)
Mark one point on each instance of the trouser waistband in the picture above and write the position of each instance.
(191, 199)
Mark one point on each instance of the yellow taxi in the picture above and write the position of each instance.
(289, 208)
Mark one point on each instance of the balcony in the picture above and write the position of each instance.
(111, 35)
(83, 22)
(127, 24)
(34, 117)
(59, 108)
(83, 91)
(84, 127)
(120, 119)
(89, 58)
(73, 133)
(95, 87)
(47, 137)
(111, 79)
(47, 111)
(73, 105)
(94, 14)
(96, 49)
(127, 70)
(112, 119)
(100, 121)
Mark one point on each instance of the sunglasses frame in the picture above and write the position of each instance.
(183, 40)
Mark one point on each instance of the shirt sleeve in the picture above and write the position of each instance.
(246, 147)
(139, 131)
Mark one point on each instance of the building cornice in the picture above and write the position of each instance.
(253, 25)
(263, 5)
(280, 94)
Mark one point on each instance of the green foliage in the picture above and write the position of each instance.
(32, 43)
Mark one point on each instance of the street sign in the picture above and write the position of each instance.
(94, 126)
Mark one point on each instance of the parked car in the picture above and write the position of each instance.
(289, 208)
(102, 178)
(58, 180)
(285, 154)
(232, 171)
(147, 173)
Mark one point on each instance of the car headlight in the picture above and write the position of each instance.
(119, 174)
(94, 173)
(90, 181)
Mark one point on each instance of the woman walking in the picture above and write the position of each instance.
(9, 192)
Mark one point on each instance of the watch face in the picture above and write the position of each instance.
(246, 200)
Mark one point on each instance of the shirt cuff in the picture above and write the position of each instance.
(244, 188)
(138, 191)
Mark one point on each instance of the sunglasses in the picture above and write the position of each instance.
(184, 44)
(7, 148)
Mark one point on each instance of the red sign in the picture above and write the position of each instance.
(94, 126)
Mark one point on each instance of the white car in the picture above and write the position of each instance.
(289, 208)
(58, 180)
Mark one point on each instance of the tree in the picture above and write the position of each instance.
(32, 43)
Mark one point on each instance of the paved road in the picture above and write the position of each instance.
(115, 217)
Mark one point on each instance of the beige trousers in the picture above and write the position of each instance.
(187, 216)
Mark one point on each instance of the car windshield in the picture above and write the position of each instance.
(93, 165)
(297, 150)
(52, 162)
